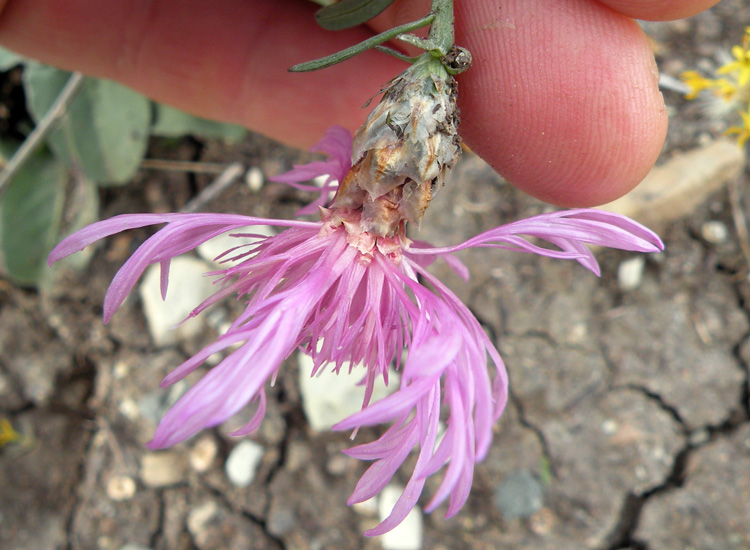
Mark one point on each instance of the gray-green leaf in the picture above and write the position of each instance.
(9, 59)
(349, 13)
(105, 131)
(30, 213)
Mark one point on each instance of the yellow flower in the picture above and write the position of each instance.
(697, 83)
(731, 93)
(743, 132)
(8, 434)
(741, 64)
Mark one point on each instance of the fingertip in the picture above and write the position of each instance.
(562, 98)
(659, 10)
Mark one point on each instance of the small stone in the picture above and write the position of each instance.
(163, 468)
(120, 370)
(630, 273)
(338, 465)
(129, 409)
(407, 535)
(320, 181)
(715, 232)
(203, 453)
(200, 516)
(254, 179)
(519, 495)
(188, 287)
(281, 520)
(328, 398)
(542, 522)
(242, 463)
(368, 508)
(121, 488)
(610, 426)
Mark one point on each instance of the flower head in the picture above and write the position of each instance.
(346, 296)
(347, 290)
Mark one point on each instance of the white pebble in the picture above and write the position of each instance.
(242, 463)
(368, 508)
(408, 534)
(121, 488)
(254, 179)
(203, 453)
(129, 409)
(610, 426)
(163, 468)
(188, 287)
(201, 516)
(320, 181)
(328, 398)
(715, 232)
(630, 273)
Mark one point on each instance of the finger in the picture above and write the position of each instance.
(562, 98)
(226, 60)
(659, 10)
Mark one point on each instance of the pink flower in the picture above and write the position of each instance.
(343, 295)
(337, 144)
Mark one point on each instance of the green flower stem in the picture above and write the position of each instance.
(441, 30)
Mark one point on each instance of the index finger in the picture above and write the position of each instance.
(224, 60)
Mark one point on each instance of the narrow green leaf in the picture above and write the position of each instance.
(396, 54)
(105, 131)
(171, 122)
(30, 213)
(350, 52)
(349, 13)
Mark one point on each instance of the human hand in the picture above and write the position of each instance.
(562, 98)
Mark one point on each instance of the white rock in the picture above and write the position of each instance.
(188, 287)
(630, 273)
(203, 453)
(715, 232)
(121, 488)
(328, 398)
(129, 409)
(211, 250)
(242, 463)
(408, 534)
(200, 516)
(163, 468)
(368, 508)
(254, 179)
(320, 181)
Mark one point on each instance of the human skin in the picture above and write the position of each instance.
(562, 97)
